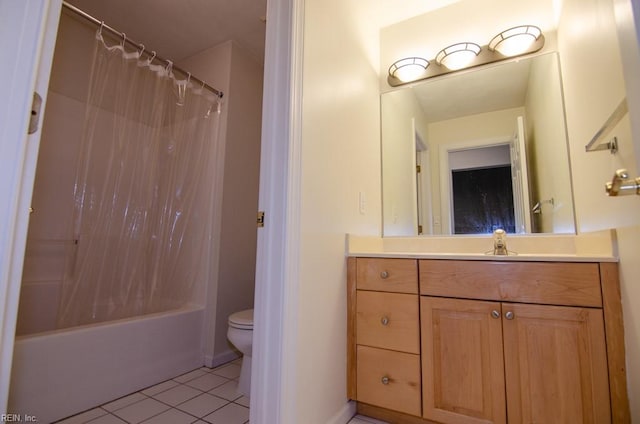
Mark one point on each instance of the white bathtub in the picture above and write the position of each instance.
(61, 373)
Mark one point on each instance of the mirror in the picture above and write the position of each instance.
(478, 150)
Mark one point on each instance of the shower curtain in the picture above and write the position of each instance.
(142, 196)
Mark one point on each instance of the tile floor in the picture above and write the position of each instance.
(202, 396)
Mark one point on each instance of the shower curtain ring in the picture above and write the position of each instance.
(153, 56)
(142, 50)
(101, 26)
(124, 39)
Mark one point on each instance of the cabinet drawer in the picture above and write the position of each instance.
(556, 283)
(388, 320)
(389, 379)
(390, 275)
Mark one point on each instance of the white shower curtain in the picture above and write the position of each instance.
(143, 191)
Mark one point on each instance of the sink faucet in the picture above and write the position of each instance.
(500, 242)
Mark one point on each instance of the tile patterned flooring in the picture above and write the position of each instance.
(202, 396)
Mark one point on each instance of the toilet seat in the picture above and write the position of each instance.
(242, 320)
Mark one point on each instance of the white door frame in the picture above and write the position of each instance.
(273, 387)
(27, 37)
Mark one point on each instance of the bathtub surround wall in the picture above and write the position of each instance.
(241, 80)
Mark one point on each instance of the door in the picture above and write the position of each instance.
(462, 363)
(555, 363)
(520, 178)
(27, 37)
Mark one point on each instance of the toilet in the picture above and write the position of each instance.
(240, 334)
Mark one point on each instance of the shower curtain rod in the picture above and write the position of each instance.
(119, 34)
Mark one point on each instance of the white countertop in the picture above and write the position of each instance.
(591, 247)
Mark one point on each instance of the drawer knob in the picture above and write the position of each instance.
(385, 380)
(495, 314)
(384, 320)
(509, 315)
(384, 275)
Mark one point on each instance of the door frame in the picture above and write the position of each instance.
(445, 174)
(27, 38)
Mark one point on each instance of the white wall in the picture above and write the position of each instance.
(593, 88)
(233, 70)
(340, 157)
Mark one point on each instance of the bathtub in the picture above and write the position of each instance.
(60, 373)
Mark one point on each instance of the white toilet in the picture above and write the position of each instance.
(240, 334)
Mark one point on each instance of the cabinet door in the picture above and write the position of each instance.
(462, 362)
(555, 364)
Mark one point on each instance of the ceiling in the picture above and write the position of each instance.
(486, 89)
(179, 29)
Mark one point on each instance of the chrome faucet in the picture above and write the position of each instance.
(500, 242)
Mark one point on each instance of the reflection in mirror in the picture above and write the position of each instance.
(483, 149)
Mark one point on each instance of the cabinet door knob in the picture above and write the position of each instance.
(495, 314)
(384, 275)
(384, 380)
(384, 320)
(509, 315)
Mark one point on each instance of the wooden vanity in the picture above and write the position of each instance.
(486, 341)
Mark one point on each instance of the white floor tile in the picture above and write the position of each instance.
(84, 417)
(107, 419)
(228, 390)
(207, 382)
(190, 376)
(172, 416)
(141, 411)
(230, 414)
(243, 400)
(177, 395)
(228, 371)
(124, 401)
(202, 405)
(158, 388)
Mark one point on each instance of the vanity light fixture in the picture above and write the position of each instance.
(458, 56)
(409, 69)
(516, 40)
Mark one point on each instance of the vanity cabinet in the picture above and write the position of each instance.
(387, 334)
(498, 341)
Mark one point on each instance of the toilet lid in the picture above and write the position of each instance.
(242, 319)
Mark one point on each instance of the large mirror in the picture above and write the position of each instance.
(478, 150)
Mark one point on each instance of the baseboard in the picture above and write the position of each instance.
(344, 415)
(221, 358)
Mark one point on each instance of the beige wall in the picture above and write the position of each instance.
(593, 88)
(340, 157)
(233, 70)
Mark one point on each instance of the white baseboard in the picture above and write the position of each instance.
(221, 358)
(344, 415)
